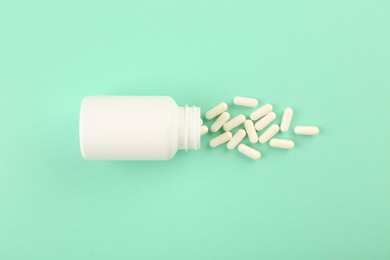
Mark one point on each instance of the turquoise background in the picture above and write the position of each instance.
(329, 198)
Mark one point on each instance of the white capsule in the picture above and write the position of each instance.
(219, 122)
(216, 111)
(220, 139)
(262, 111)
(269, 133)
(306, 130)
(249, 151)
(236, 139)
(203, 130)
(251, 131)
(245, 101)
(265, 121)
(233, 123)
(282, 143)
(200, 121)
(286, 119)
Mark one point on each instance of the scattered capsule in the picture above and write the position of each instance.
(236, 139)
(281, 143)
(201, 121)
(269, 133)
(262, 111)
(265, 121)
(203, 130)
(286, 119)
(220, 139)
(245, 101)
(233, 123)
(219, 122)
(251, 131)
(216, 111)
(249, 151)
(306, 130)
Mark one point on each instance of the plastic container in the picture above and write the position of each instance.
(136, 128)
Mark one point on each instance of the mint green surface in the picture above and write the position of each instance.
(329, 198)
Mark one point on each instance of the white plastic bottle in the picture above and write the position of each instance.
(136, 128)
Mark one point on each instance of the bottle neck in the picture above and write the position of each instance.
(189, 128)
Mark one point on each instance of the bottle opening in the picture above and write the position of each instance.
(189, 128)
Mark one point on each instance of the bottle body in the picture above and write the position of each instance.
(136, 128)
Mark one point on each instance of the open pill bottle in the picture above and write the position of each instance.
(136, 128)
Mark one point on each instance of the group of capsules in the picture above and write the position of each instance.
(263, 116)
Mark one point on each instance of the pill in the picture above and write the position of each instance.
(203, 130)
(216, 111)
(286, 119)
(201, 121)
(306, 130)
(219, 122)
(233, 123)
(282, 143)
(251, 131)
(245, 101)
(220, 139)
(262, 111)
(265, 121)
(249, 151)
(269, 133)
(236, 139)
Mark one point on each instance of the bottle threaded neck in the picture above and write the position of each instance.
(189, 128)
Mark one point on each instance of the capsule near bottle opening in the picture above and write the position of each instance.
(136, 128)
